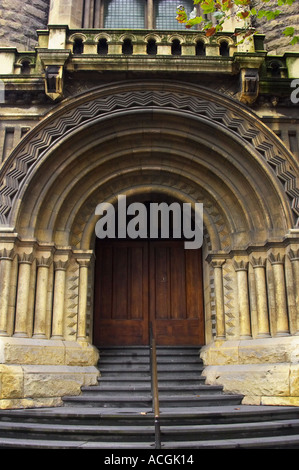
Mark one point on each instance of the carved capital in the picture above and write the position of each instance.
(60, 265)
(241, 265)
(26, 258)
(276, 259)
(7, 254)
(258, 262)
(294, 255)
(44, 262)
(84, 263)
(217, 263)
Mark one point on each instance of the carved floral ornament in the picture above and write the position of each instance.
(87, 108)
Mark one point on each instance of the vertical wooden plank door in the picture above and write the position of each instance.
(141, 281)
(176, 297)
(121, 293)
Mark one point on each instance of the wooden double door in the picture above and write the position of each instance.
(138, 282)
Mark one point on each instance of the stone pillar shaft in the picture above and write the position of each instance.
(261, 297)
(243, 299)
(282, 322)
(6, 261)
(294, 257)
(219, 299)
(58, 302)
(25, 262)
(83, 290)
(41, 298)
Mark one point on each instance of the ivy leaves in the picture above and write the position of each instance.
(221, 10)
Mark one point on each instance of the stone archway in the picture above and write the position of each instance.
(136, 139)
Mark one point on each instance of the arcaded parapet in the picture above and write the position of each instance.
(19, 21)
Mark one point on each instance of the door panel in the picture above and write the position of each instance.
(176, 303)
(141, 281)
(121, 293)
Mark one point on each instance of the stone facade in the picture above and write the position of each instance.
(276, 42)
(19, 21)
(84, 120)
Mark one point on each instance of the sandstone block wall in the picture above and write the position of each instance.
(276, 42)
(19, 20)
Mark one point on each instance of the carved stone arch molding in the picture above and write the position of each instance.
(151, 139)
(210, 137)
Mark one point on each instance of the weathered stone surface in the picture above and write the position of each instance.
(276, 42)
(255, 351)
(46, 352)
(56, 381)
(7, 404)
(80, 354)
(19, 21)
(11, 382)
(31, 351)
(265, 371)
(259, 379)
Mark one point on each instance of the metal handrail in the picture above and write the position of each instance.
(154, 388)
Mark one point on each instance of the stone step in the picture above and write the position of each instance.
(171, 381)
(117, 413)
(145, 400)
(144, 367)
(136, 388)
(269, 442)
(116, 432)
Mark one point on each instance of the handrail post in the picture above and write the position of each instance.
(154, 387)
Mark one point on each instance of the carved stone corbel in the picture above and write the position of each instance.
(249, 86)
(53, 62)
(54, 81)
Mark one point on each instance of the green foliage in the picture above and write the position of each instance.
(221, 10)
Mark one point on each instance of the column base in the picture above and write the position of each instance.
(20, 335)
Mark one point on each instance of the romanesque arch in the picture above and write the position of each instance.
(151, 137)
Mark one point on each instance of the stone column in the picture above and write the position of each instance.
(97, 14)
(6, 258)
(83, 290)
(282, 321)
(25, 262)
(259, 266)
(58, 302)
(43, 265)
(219, 299)
(294, 257)
(66, 13)
(150, 14)
(241, 269)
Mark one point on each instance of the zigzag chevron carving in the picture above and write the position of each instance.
(28, 152)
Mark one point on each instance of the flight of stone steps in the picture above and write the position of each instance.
(117, 413)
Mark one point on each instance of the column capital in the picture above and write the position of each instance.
(7, 254)
(60, 265)
(258, 262)
(44, 262)
(26, 258)
(217, 263)
(241, 265)
(294, 255)
(276, 258)
(84, 263)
